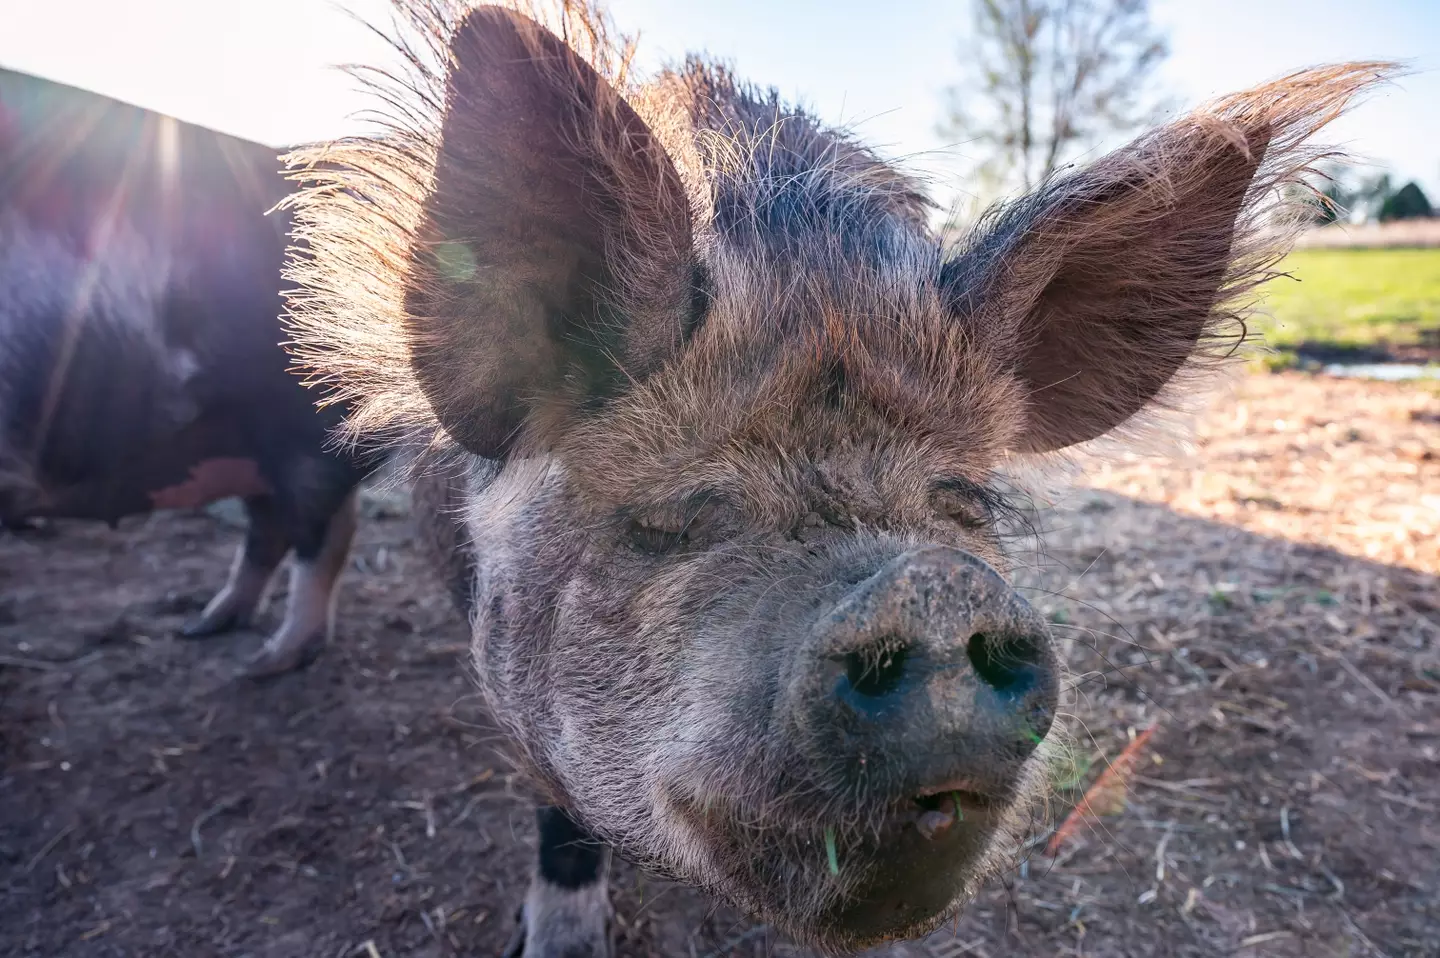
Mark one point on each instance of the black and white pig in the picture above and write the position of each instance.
(141, 364)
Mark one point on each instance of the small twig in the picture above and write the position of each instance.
(441, 651)
(465, 812)
(1187, 787)
(426, 805)
(1160, 856)
(1364, 938)
(430, 924)
(1364, 680)
(1112, 778)
(1285, 831)
(1286, 890)
(225, 804)
(1267, 936)
(39, 665)
(1408, 802)
(49, 846)
(368, 946)
(1169, 825)
(480, 779)
(1339, 885)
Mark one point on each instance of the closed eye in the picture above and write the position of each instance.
(969, 517)
(655, 540)
(968, 505)
(657, 530)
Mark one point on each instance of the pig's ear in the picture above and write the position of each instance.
(554, 261)
(1106, 283)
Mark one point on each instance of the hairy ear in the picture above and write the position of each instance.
(553, 261)
(1107, 282)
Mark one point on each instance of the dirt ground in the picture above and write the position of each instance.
(1270, 603)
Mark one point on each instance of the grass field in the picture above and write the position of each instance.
(1355, 298)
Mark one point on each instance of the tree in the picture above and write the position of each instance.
(1366, 199)
(1408, 202)
(1346, 197)
(1332, 196)
(1048, 79)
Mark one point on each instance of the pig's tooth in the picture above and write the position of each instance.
(934, 823)
(938, 820)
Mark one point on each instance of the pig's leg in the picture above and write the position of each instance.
(321, 550)
(567, 909)
(265, 545)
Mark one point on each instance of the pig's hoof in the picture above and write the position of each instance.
(515, 947)
(277, 658)
(204, 626)
(578, 928)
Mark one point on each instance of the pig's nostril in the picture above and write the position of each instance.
(1007, 664)
(876, 671)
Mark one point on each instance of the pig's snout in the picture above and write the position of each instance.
(930, 677)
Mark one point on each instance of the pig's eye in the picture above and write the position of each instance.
(656, 540)
(963, 507)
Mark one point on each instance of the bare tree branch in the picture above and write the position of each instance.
(1047, 80)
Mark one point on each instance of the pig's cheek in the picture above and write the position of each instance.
(568, 605)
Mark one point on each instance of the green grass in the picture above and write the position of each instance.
(1353, 298)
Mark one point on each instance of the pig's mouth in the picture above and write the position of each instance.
(934, 812)
(898, 876)
(918, 870)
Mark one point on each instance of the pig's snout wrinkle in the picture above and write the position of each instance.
(934, 669)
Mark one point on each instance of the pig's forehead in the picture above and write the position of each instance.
(773, 480)
(761, 280)
(774, 421)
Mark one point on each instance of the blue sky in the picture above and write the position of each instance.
(263, 68)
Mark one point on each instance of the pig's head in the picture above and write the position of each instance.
(738, 593)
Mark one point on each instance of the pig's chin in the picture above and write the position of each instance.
(898, 876)
(913, 875)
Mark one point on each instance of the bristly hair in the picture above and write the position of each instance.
(750, 164)
(1269, 127)
(359, 208)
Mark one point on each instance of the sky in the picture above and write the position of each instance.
(265, 69)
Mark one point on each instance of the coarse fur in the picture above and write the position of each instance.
(692, 367)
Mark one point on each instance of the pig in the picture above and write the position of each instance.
(711, 430)
(141, 364)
